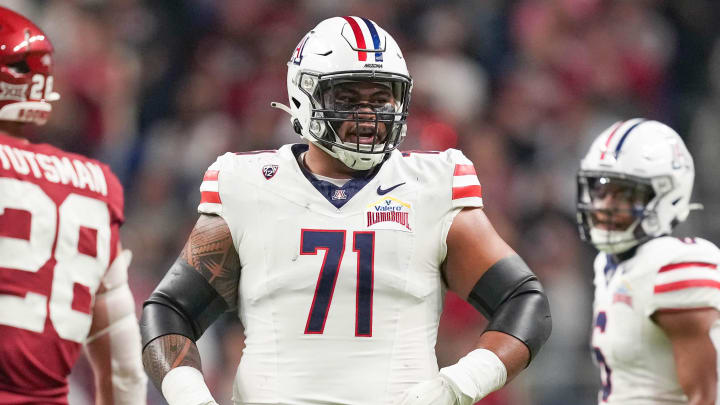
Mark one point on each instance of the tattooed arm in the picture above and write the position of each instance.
(201, 285)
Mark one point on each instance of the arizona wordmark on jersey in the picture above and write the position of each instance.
(634, 355)
(340, 289)
(59, 219)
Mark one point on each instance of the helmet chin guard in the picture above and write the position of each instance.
(339, 51)
(352, 160)
(613, 242)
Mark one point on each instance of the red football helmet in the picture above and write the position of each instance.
(25, 70)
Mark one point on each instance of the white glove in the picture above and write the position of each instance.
(438, 391)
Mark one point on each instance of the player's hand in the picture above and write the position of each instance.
(437, 391)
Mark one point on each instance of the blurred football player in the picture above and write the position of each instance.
(657, 297)
(337, 252)
(63, 274)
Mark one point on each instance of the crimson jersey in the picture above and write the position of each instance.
(59, 219)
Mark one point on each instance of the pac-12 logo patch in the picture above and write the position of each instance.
(269, 171)
(389, 213)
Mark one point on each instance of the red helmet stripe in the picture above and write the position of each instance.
(359, 37)
(607, 143)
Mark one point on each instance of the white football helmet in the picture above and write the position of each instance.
(341, 50)
(651, 161)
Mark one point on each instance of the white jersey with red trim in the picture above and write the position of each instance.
(634, 355)
(340, 291)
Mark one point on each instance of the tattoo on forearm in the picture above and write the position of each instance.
(182, 354)
(167, 352)
(211, 252)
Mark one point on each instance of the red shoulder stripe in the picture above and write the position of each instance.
(210, 197)
(680, 285)
(211, 175)
(467, 191)
(681, 265)
(461, 170)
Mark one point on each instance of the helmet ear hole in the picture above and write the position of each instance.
(297, 127)
(296, 102)
(20, 67)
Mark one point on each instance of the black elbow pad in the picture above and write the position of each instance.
(512, 299)
(184, 303)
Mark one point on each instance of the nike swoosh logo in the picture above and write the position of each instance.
(380, 191)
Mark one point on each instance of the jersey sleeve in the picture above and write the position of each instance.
(688, 281)
(116, 196)
(465, 191)
(466, 188)
(116, 204)
(210, 191)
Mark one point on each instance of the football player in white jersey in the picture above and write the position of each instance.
(656, 321)
(337, 253)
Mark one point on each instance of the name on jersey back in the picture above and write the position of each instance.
(55, 169)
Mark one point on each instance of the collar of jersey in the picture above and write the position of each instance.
(328, 189)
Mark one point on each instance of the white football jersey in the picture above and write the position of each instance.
(340, 291)
(634, 355)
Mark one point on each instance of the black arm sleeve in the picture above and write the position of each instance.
(510, 296)
(184, 303)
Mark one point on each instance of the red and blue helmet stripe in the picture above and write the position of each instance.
(625, 135)
(620, 143)
(360, 38)
(375, 38)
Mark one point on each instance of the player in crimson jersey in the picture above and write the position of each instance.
(656, 322)
(337, 253)
(63, 273)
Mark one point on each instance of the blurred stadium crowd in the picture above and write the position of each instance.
(159, 88)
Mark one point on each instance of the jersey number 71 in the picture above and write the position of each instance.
(333, 243)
